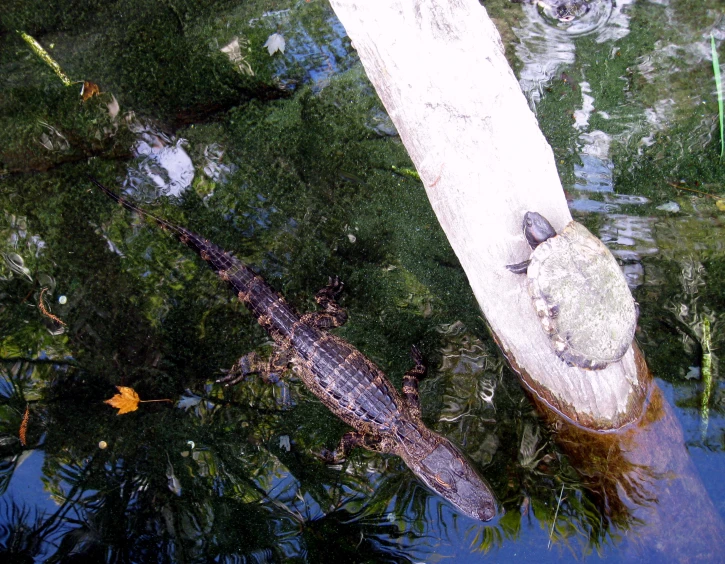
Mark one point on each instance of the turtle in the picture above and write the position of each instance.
(579, 293)
(562, 10)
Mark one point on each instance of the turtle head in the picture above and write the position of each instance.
(569, 11)
(537, 229)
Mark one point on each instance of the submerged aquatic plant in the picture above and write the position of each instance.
(718, 86)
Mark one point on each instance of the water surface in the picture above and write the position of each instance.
(287, 160)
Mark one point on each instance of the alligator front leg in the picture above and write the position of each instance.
(333, 315)
(353, 439)
(269, 371)
(410, 382)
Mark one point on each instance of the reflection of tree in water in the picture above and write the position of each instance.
(700, 329)
(235, 492)
(692, 298)
(23, 540)
(18, 539)
(232, 494)
(586, 491)
(238, 490)
(484, 409)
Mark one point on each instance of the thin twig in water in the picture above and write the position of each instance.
(558, 505)
(24, 425)
(25, 299)
(693, 190)
(45, 312)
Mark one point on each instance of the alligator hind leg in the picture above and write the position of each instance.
(333, 315)
(410, 382)
(352, 440)
(269, 371)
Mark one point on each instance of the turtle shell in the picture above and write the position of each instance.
(582, 299)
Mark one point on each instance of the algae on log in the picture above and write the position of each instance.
(439, 69)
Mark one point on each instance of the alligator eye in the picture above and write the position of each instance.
(441, 481)
(457, 466)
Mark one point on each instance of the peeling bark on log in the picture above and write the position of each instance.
(439, 69)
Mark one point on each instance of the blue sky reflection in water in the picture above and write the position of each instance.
(290, 167)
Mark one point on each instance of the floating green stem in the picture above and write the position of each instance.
(50, 61)
(407, 172)
(718, 86)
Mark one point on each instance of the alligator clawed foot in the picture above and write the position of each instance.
(232, 378)
(333, 315)
(335, 285)
(416, 355)
(329, 457)
(271, 377)
(237, 373)
(251, 363)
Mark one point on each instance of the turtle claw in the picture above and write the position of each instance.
(519, 267)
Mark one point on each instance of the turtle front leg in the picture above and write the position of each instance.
(410, 382)
(333, 315)
(519, 267)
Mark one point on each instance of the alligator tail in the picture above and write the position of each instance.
(214, 255)
(251, 289)
(133, 207)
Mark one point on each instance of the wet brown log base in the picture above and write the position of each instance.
(646, 485)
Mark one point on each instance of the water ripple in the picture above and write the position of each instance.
(547, 43)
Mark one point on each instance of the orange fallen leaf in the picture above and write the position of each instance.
(89, 90)
(127, 400)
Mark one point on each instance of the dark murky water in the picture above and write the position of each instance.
(287, 160)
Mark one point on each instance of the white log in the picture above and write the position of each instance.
(440, 71)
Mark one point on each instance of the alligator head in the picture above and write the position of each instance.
(446, 471)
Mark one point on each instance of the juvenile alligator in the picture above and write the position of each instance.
(346, 381)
